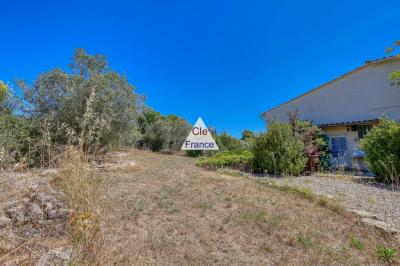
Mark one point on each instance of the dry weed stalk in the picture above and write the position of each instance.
(77, 182)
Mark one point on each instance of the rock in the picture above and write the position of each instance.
(63, 214)
(17, 214)
(35, 212)
(58, 256)
(52, 214)
(8, 240)
(4, 221)
(10, 204)
(26, 202)
(381, 225)
(365, 214)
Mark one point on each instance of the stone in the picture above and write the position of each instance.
(4, 221)
(35, 212)
(58, 256)
(17, 214)
(381, 225)
(8, 240)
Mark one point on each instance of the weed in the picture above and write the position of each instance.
(168, 206)
(371, 200)
(387, 253)
(255, 216)
(304, 240)
(141, 205)
(230, 172)
(204, 205)
(227, 199)
(355, 242)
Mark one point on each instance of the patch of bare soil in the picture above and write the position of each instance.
(33, 218)
(163, 210)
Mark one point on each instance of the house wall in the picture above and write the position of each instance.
(363, 95)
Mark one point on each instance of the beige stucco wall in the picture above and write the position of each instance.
(365, 94)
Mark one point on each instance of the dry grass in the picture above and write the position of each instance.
(164, 210)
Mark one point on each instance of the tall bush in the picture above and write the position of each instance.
(14, 138)
(278, 152)
(166, 134)
(315, 147)
(382, 148)
(227, 142)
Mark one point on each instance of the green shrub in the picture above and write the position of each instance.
(14, 137)
(166, 134)
(194, 153)
(386, 253)
(227, 142)
(247, 139)
(315, 147)
(355, 242)
(382, 148)
(278, 152)
(238, 160)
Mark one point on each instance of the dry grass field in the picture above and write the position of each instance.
(161, 209)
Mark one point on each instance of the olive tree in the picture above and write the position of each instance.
(90, 105)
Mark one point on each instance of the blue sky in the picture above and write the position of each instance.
(226, 61)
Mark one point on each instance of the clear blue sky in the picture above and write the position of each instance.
(226, 61)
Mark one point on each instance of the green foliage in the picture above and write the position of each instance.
(14, 138)
(247, 134)
(147, 118)
(247, 139)
(3, 91)
(324, 161)
(166, 134)
(315, 147)
(387, 253)
(395, 77)
(382, 148)
(394, 50)
(278, 152)
(227, 142)
(356, 243)
(194, 153)
(304, 239)
(234, 159)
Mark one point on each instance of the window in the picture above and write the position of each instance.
(362, 130)
(339, 146)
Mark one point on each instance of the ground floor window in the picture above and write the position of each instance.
(338, 146)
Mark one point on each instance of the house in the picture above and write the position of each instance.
(346, 107)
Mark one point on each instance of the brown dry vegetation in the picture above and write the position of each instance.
(164, 210)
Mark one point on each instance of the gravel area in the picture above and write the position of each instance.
(376, 203)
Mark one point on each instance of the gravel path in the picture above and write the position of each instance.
(375, 203)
